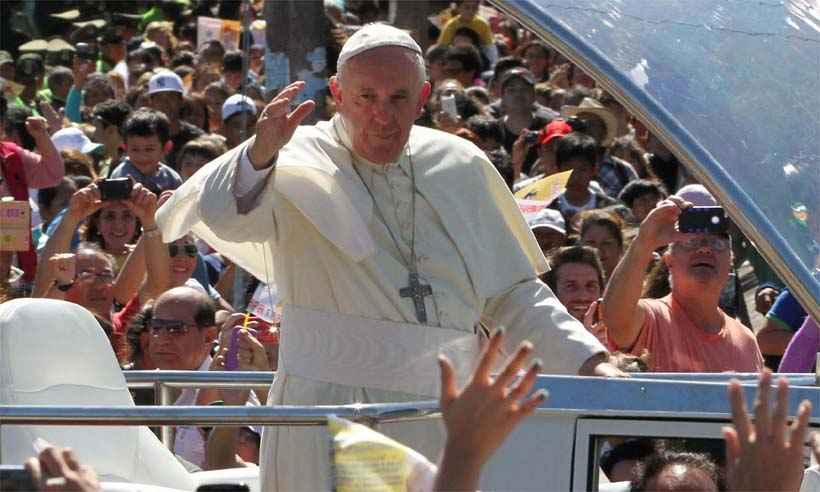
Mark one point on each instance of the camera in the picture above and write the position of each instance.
(115, 189)
(703, 220)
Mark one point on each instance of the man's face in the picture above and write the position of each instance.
(454, 69)
(182, 348)
(582, 173)
(144, 152)
(548, 238)
(92, 287)
(536, 60)
(700, 263)
(232, 128)
(518, 96)
(577, 287)
(642, 205)
(596, 128)
(114, 51)
(169, 102)
(380, 97)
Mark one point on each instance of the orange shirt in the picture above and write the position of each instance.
(675, 344)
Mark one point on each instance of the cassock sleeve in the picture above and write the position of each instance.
(241, 226)
(530, 311)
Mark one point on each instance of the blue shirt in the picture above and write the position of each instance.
(163, 179)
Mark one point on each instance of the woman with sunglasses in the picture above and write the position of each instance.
(184, 257)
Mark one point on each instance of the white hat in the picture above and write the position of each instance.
(165, 81)
(73, 139)
(549, 218)
(697, 195)
(236, 104)
(375, 36)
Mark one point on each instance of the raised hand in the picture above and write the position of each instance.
(143, 203)
(766, 454)
(84, 203)
(55, 121)
(658, 228)
(64, 268)
(480, 416)
(276, 125)
(58, 469)
(37, 127)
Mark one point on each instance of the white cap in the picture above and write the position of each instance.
(697, 195)
(549, 218)
(165, 81)
(375, 36)
(73, 139)
(236, 104)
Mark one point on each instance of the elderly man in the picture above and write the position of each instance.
(389, 243)
(685, 331)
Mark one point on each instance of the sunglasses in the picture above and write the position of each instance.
(173, 327)
(188, 249)
(715, 243)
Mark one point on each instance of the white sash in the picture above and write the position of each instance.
(361, 352)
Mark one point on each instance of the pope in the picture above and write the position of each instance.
(389, 244)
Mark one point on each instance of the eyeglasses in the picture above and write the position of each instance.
(715, 243)
(173, 327)
(188, 249)
(91, 275)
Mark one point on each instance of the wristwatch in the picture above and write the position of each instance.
(153, 232)
(63, 287)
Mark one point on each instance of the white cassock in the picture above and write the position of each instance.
(347, 334)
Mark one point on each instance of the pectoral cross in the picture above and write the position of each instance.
(417, 291)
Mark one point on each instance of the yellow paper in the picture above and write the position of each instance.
(15, 225)
(546, 189)
(363, 459)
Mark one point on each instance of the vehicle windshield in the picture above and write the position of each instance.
(733, 86)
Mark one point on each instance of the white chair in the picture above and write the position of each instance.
(55, 353)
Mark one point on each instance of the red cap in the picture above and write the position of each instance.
(555, 129)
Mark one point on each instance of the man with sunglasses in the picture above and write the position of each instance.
(685, 331)
(182, 329)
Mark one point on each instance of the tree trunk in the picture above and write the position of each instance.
(297, 37)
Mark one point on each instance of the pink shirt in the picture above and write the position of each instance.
(42, 171)
(676, 344)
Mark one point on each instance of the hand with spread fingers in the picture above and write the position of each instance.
(481, 416)
(57, 469)
(766, 454)
(276, 125)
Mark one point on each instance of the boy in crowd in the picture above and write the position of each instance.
(238, 119)
(147, 138)
(579, 153)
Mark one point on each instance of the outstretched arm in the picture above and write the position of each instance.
(481, 416)
(623, 315)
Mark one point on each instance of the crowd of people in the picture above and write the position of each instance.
(102, 121)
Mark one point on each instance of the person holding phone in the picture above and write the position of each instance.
(685, 331)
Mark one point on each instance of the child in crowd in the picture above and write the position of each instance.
(579, 153)
(147, 138)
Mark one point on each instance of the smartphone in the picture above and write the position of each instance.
(15, 478)
(115, 189)
(232, 357)
(703, 220)
(448, 105)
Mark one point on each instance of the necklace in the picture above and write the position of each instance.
(415, 289)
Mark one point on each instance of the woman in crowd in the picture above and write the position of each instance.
(604, 232)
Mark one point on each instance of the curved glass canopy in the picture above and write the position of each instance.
(731, 86)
